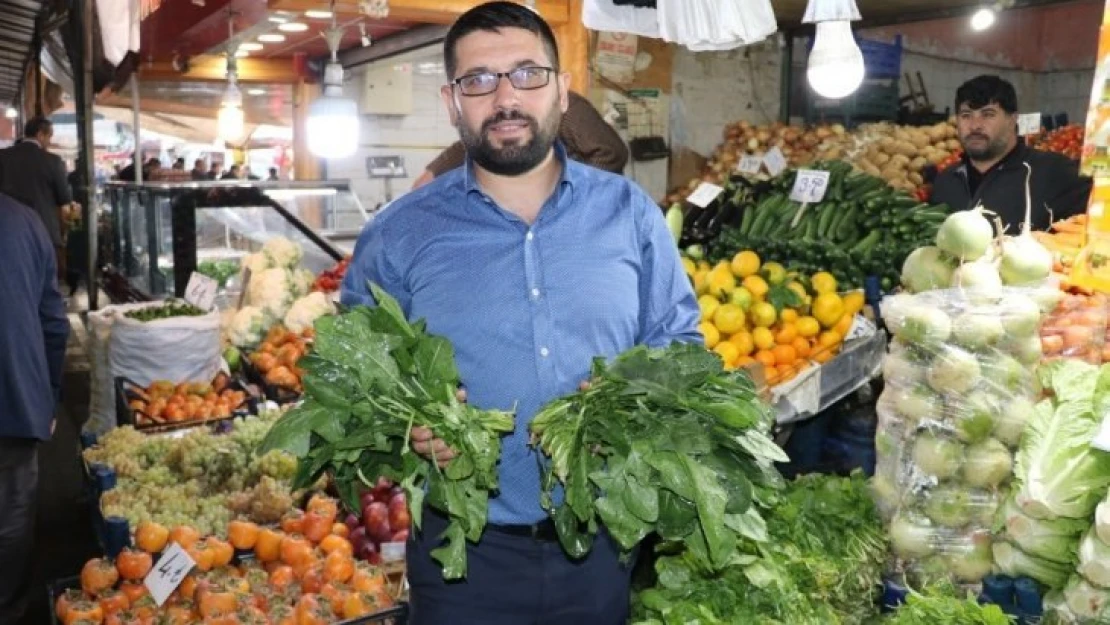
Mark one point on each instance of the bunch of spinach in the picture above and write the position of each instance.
(371, 377)
(944, 603)
(663, 440)
(821, 564)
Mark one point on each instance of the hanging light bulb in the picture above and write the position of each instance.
(229, 120)
(11, 113)
(982, 19)
(333, 124)
(835, 67)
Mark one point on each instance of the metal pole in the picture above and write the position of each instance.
(87, 147)
(135, 127)
(786, 76)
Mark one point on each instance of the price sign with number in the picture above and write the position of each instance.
(704, 194)
(168, 572)
(750, 163)
(775, 161)
(1029, 124)
(201, 291)
(810, 186)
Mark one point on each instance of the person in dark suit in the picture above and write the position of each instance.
(33, 334)
(36, 178)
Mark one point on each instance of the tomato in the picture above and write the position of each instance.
(133, 564)
(242, 534)
(112, 601)
(151, 537)
(98, 575)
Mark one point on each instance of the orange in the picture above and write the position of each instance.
(808, 327)
(766, 358)
(786, 335)
(728, 353)
(744, 343)
(828, 309)
(801, 347)
(788, 315)
(824, 355)
(843, 325)
(784, 354)
(711, 334)
(829, 338)
(763, 338)
(745, 361)
(757, 286)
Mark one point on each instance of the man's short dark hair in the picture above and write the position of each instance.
(492, 17)
(36, 125)
(983, 90)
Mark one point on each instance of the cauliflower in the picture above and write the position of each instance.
(247, 326)
(281, 252)
(303, 280)
(306, 310)
(271, 291)
(256, 262)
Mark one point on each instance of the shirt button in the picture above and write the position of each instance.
(529, 236)
(535, 293)
(544, 352)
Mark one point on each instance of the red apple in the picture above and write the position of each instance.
(400, 536)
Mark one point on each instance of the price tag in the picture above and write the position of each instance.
(1029, 124)
(775, 161)
(750, 163)
(704, 194)
(810, 186)
(861, 328)
(168, 572)
(201, 291)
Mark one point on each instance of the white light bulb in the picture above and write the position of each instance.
(230, 122)
(982, 19)
(835, 63)
(11, 113)
(332, 127)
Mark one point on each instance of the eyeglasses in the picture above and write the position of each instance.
(522, 78)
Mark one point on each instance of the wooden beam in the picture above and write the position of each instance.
(214, 68)
(169, 107)
(305, 165)
(574, 48)
(428, 11)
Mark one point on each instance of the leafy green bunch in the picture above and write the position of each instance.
(370, 378)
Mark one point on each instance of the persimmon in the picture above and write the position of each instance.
(268, 546)
(202, 555)
(367, 579)
(252, 615)
(112, 601)
(282, 614)
(134, 590)
(281, 577)
(323, 504)
(151, 537)
(242, 534)
(338, 567)
(97, 576)
(179, 614)
(64, 600)
(84, 610)
(256, 578)
(187, 589)
(313, 610)
(222, 551)
(128, 617)
(133, 564)
(313, 579)
(185, 535)
(341, 529)
(338, 543)
(294, 549)
(357, 604)
(216, 602)
(316, 526)
(293, 522)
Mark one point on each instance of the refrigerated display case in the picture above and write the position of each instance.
(161, 232)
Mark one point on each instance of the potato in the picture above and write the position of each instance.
(920, 139)
(890, 173)
(905, 147)
(887, 143)
(918, 163)
(901, 160)
(870, 169)
(951, 132)
(833, 154)
(881, 159)
(916, 178)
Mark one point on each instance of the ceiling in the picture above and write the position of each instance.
(17, 28)
(878, 12)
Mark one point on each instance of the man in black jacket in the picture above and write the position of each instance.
(993, 171)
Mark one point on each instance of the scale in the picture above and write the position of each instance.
(386, 168)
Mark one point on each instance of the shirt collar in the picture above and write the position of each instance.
(31, 140)
(568, 178)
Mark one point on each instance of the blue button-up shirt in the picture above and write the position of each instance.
(528, 307)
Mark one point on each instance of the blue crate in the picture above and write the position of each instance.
(882, 60)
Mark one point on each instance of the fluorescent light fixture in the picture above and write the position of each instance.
(278, 19)
(256, 91)
(271, 38)
(318, 14)
(241, 53)
(250, 46)
(293, 27)
(983, 19)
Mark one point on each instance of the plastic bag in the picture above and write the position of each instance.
(179, 349)
(1076, 328)
(959, 387)
(102, 391)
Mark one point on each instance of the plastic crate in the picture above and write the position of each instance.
(271, 392)
(396, 615)
(127, 389)
(882, 60)
(875, 100)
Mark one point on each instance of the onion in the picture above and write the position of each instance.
(966, 235)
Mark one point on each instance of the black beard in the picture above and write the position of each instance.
(510, 159)
(993, 149)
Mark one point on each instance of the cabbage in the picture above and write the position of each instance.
(987, 464)
(1094, 560)
(911, 538)
(1061, 474)
(1015, 562)
(938, 457)
(1050, 540)
(1086, 601)
(949, 505)
(953, 371)
(965, 235)
(1011, 422)
(899, 369)
(927, 268)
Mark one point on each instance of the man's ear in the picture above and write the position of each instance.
(564, 89)
(447, 94)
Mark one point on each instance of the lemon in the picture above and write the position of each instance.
(763, 314)
(728, 353)
(853, 302)
(763, 338)
(808, 327)
(701, 281)
(689, 265)
(709, 331)
(757, 286)
(703, 265)
(729, 318)
(828, 309)
(721, 281)
(788, 315)
(800, 290)
(742, 297)
(774, 272)
(743, 342)
(745, 263)
(823, 282)
(708, 305)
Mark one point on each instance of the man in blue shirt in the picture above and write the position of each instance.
(531, 265)
(33, 333)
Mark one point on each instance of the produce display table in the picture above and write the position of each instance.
(817, 388)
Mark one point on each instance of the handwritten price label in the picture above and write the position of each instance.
(201, 291)
(810, 186)
(168, 572)
(704, 194)
(775, 161)
(750, 163)
(1029, 124)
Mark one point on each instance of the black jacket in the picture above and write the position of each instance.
(37, 179)
(1056, 188)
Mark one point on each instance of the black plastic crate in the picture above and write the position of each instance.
(127, 390)
(271, 392)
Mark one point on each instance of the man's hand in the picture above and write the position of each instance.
(53, 424)
(424, 441)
